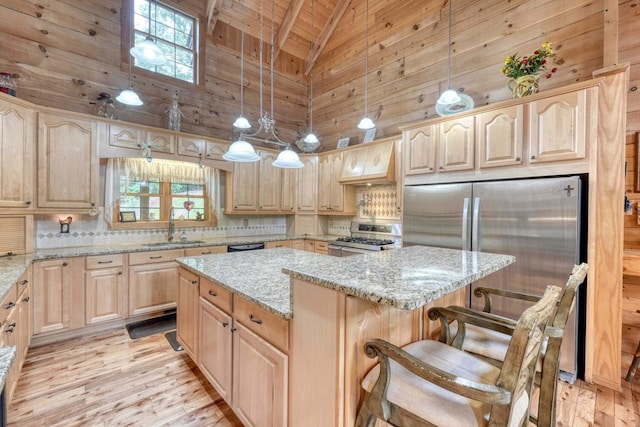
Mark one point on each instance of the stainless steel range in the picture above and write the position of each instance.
(366, 237)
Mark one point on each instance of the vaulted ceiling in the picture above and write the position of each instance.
(301, 28)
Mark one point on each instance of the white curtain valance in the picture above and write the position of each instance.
(162, 170)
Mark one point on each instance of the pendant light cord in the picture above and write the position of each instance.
(242, 64)
(273, 17)
(261, 49)
(449, 46)
(366, 59)
(311, 77)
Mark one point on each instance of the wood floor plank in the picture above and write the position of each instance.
(110, 380)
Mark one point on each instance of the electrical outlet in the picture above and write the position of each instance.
(246, 222)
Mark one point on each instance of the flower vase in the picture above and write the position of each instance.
(524, 85)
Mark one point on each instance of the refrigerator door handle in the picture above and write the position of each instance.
(465, 222)
(475, 238)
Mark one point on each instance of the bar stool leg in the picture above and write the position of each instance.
(634, 365)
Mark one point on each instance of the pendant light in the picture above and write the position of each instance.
(241, 122)
(366, 123)
(449, 96)
(128, 96)
(311, 138)
(146, 50)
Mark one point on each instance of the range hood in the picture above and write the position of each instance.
(369, 164)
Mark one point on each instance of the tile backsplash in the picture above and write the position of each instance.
(88, 230)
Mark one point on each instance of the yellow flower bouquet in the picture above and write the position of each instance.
(524, 70)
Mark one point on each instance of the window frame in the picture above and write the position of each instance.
(128, 42)
(165, 204)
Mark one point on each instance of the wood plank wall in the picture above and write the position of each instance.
(66, 52)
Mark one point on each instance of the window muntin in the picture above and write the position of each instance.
(175, 33)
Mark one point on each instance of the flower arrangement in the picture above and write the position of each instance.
(515, 66)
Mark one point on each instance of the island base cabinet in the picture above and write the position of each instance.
(328, 333)
(187, 316)
(215, 347)
(260, 380)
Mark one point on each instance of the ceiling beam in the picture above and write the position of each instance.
(212, 15)
(325, 34)
(293, 11)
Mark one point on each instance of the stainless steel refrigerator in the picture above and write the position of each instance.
(536, 220)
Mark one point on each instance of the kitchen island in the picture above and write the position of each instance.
(331, 306)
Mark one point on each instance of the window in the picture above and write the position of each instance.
(155, 200)
(175, 32)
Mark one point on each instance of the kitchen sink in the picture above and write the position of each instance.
(173, 243)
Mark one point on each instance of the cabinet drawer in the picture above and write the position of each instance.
(278, 244)
(272, 328)
(105, 261)
(206, 250)
(155, 256)
(8, 303)
(216, 294)
(321, 247)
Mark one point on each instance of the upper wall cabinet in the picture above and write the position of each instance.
(420, 150)
(196, 147)
(456, 144)
(557, 127)
(135, 138)
(370, 163)
(17, 150)
(308, 184)
(333, 197)
(499, 137)
(68, 171)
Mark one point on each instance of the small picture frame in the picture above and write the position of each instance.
(343, 143)
(368, 137)
(127, 216)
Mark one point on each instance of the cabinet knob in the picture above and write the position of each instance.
(441, 167)
(517, 159)
(213, 293)
(194, 282)
(119, 273)
(26, 299)
(155, 257)
(64, 264)
(225, 324)
(28, 202)
(8, 305)
(533, 157)
(24, 282)
(430, 168)
(255, 319)
(234, 329)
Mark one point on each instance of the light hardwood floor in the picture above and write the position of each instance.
(109, 380)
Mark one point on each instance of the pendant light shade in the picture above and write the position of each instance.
(129, 97)
(366, 123)
(311, 138)
(241, 151)
(288, 159)
(449, 96)
(241, 123)
(149, 52)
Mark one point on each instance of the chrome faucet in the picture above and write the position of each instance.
(172, 225)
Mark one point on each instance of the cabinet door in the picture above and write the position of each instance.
(270, 183)
(337, 189)
(260, 379)
(308, 184)
(557, 127)
(278, 244)
(353, 163)
(191, 147)
(187, 317)
(289, 189)
(324, 183)
(125, 136)
(68, 171)
(152, 287)
(51, 295)
(26, 313)
(215, 348)
(499, 137)
(106, 297)
(161, 142)
(420, 150)
(310, 245)
(455, 144)
(244, 196)
(17, 146)
(298, 244)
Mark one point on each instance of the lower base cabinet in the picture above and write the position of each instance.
(259, 380)
(216, 347)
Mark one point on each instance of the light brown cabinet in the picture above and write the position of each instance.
(371, 163)
(558, 125)
(105, 288)
(197, 147)
(278, 244)
(321, 247)
(333, 197)
(289, 190)
(456, 142)
(500, 137)
(135, 138)
(68, 172)
(269, 183)
(205, 250)
(187, 317)
(243, 194)
(17, 151)
(58, 295)
(152, 281)
(308, 184)
(420, 150)
(16, 234)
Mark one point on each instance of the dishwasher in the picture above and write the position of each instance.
(248, 247)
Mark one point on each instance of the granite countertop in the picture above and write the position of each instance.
(405, 278)
(7, 356)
